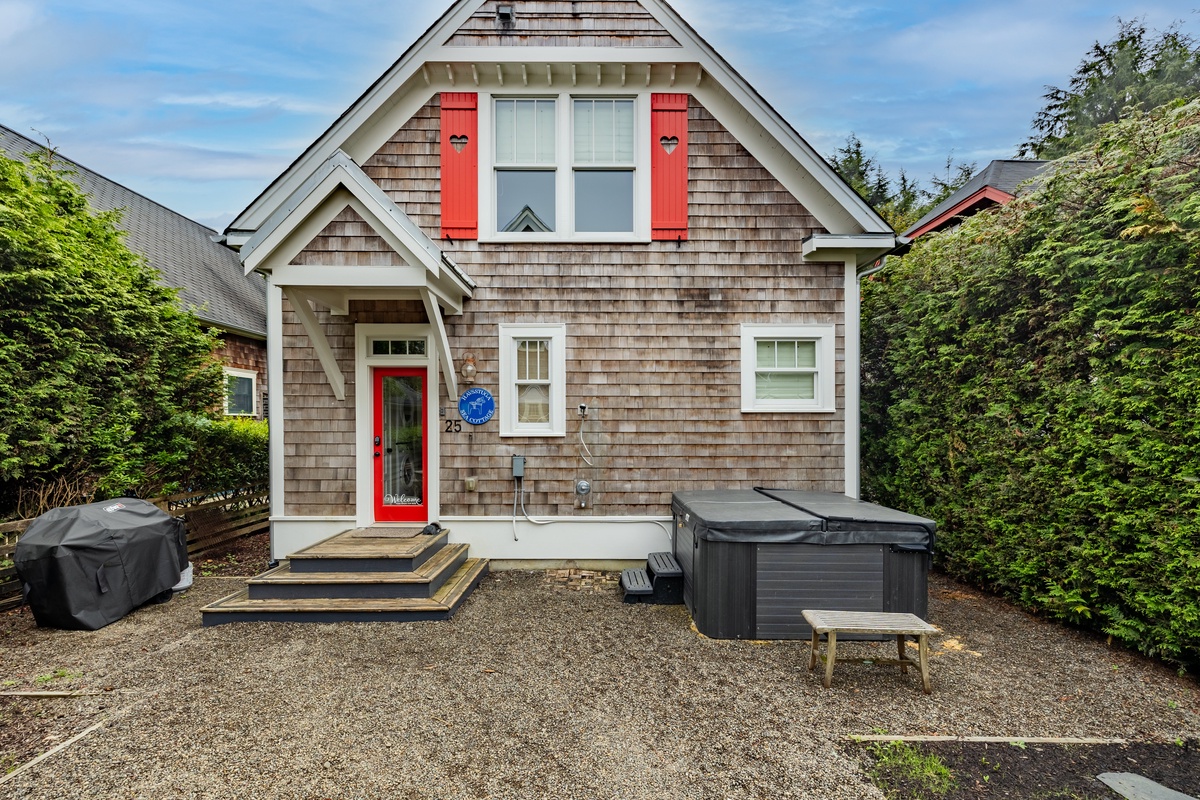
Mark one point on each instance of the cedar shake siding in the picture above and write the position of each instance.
(653, 345)
(561, 23)
(318, 429)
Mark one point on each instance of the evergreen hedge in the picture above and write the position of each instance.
(102, 376)
(1032, 382)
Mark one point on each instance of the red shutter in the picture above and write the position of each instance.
(460, 165)
(668, 166)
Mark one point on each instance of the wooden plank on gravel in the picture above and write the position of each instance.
(985, 739)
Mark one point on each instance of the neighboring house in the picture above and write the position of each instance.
(996, 185)
(207, 274)
(582, 209)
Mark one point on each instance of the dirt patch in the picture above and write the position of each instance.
(246, 556)
(1049, 771)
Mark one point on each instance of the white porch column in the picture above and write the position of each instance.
(275, 393)
(853, 377)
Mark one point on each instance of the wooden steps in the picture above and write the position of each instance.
(349, 578)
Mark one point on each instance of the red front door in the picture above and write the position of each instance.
(401, 485)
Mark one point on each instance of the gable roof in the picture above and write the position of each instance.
(209, 275)
(995, 185)
(437, 62)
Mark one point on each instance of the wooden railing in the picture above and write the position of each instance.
(213, 520)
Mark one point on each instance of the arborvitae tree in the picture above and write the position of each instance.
(1031, 380)
(1135, 70)
(102, 375)
(905, 202)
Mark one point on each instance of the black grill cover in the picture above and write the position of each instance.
(86, 566)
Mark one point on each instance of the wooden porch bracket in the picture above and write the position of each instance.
(316, 336)
(441, 341)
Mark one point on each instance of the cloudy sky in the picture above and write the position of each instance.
(198, 105)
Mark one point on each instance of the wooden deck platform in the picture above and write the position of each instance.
(350, 578)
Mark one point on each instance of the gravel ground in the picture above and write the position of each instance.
(538, 688)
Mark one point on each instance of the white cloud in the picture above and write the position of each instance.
(16, 18)
(236, 100)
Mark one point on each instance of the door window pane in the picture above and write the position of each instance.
(403, 451)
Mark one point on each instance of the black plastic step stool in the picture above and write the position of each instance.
(660, 582)
(635, 583)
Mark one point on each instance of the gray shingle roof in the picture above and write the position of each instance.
(1005, 175)
(208, 275)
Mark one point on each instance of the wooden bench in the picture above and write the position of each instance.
(831, 623)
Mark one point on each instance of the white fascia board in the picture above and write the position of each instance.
(406, 277)
(535, 55)
(863, 248)
(375, 98)
(341, 176)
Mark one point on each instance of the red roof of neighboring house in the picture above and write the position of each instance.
(995, 185)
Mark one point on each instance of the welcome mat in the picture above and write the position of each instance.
(386, 533)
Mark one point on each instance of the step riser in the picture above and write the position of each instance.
(311, 566)
(370, 591)
(317, 563)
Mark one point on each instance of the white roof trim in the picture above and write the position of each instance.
(350, 176)
(864, 247)
(845, 211)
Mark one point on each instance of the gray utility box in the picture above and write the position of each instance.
(753, 560)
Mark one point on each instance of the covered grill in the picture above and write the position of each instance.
(87, 566)
(753, 560)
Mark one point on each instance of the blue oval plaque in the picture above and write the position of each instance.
(476, 406)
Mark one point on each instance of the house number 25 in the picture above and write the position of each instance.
(453, 426)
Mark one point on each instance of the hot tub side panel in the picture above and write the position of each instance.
(718, 584)
(906, 582)
(791, 578)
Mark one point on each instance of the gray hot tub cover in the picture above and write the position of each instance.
(87, 566)
(785, 516)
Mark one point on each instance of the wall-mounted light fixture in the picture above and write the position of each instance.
(468, 369)
(504, 13)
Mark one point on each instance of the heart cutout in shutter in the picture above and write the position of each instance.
(669, 143)
(458, 143)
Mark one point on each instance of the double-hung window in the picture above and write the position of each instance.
(533, 379)
(788, 368)
(526, 170)
(603, 165)
(240, 392)
(567, 167)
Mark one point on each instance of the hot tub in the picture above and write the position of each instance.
(754, 559)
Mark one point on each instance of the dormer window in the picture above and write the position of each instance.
(567, 167)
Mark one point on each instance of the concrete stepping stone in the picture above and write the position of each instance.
(1136, 787)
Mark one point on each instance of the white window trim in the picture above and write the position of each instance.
(825, 337)
(233, 372)
(564, 166)
(557, 334)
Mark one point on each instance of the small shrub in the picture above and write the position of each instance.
(901, 764)
(229, 453)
